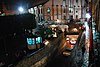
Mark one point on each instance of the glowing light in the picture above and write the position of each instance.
(46, 42)
(58, 21)
(88, 15)
(75, 29)
(55, 34)
(21, 9)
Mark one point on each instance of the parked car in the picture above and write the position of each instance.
(73, 41)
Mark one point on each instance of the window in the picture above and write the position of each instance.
(30, 41)
(77, 2)
(38, 40)
(48, 10)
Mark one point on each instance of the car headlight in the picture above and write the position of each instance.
(75, 30)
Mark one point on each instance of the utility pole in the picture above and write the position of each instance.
(61, 13)
(64, 10)
(57, 10)
(52, 9)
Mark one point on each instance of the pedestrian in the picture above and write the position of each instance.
(83, 50)
(65, 32)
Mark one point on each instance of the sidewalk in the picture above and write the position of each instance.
(85, 60)
(86, 54)
(96, 38)
(96, 48)
(79, 59)
(85, 57)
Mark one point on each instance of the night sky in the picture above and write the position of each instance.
(16, 2)
(13, 4)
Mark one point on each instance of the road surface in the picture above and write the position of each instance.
(59, 61)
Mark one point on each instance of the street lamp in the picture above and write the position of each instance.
(20, 9)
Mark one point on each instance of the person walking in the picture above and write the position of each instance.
(65, 32)
(83, 50)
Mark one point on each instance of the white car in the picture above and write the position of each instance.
(73, 41)
(75, 30)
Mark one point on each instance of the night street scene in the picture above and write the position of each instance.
(49, 33)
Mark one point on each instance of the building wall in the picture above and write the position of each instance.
(97, 14)
(75, 10)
